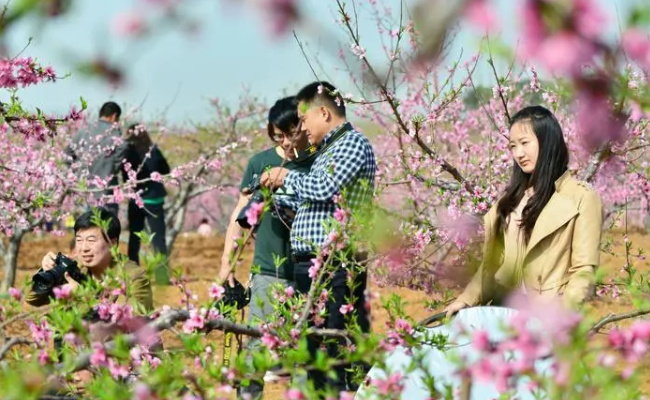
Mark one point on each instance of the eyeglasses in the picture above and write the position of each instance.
(279, 137)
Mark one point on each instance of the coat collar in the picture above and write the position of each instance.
(559, 210)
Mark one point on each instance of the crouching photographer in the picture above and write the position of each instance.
(96, 232)
(91, 259)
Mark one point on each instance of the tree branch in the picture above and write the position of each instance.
(11, 342)
(601, 155)
(616, 318)
(168, 319)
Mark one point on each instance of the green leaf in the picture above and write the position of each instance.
(639, 16)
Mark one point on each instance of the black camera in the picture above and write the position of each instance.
(254, 188)
(44, 281)
(237, 295)
(280, 208)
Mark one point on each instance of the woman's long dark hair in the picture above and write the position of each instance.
(552, 162)
(284, 115)
(138, 136)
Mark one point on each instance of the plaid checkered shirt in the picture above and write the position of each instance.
(344, 163)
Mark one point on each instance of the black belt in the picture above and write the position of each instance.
(300, 258)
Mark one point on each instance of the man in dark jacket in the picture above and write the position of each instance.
(98, 149)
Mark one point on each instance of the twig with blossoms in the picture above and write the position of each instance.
(392, 102)
(315, 285)
(169, 318)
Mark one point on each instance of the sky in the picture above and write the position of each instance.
(174, 73)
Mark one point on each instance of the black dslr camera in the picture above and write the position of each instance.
(44, 281)
(237, 295)
(254, 188)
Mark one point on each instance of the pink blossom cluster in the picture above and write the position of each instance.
(15, 293)
(111, 311)
(41, 332)
(196, 321)
(631, 343)
(254, 213)
(23, 72)
(397, 335)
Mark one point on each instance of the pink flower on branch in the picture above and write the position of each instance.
(63, 291)
(254, 213)
(358, 51)
(216, 291)
(24, 72)
(41, 333)
(15, 293)
(156, 177)
(196, 321)
(341, 215)
(98, 357)
(270, 341)
(316, 264)
(117, 371)
(392, 385)
(346, 308)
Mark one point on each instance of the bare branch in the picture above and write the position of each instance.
(11, 342)
(616, 318)
(304, 54)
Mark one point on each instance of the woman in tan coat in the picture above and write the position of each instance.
(543, 235)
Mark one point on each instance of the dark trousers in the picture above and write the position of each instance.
(339, 294)
(154, 214)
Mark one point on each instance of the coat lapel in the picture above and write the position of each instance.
(558, 211)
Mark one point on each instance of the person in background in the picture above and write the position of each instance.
(543, 236)
(97, 142)
(204, 228)
(146, 159)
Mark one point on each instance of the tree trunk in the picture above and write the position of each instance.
(10, 258)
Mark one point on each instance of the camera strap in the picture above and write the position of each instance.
(227, 343)
(345, 128)
(312, 151)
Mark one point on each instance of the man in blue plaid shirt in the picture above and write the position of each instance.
(345, 165)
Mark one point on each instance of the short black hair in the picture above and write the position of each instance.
(88, 220)
(323, 93)
(110, 108)
(284, 115)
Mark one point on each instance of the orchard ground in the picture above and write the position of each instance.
(199, 259)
